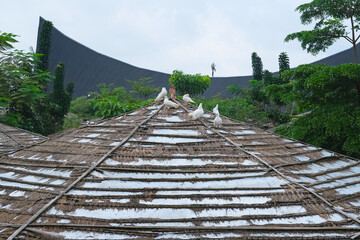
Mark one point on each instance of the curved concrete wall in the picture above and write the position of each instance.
(87, 68)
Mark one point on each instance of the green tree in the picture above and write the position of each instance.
(257, 66)
(59, 100)
(191, 84)
(330, 24)
(284, 62)
(44, 44)
(21, 88)
(330, 94)
(143, 87)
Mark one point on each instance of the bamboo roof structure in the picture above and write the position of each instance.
(155, 174)
(12, 139)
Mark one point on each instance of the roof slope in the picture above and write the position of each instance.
(12, 139)
(154, 174)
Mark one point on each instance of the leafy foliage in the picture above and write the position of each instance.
(332, 95)
(44, 45)
(110, 101)
(330, 17)
(332, 127)
(21, 88)
(59, 101)
(257, 66)
(143, 87)
(191, 84)
(5, 41)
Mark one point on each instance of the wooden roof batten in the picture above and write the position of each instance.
(131, 178)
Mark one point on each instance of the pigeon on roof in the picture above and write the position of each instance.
(187, 99)
(161, 95)
(217, 121)
(199, 112)
(216, 109)
(169, 104)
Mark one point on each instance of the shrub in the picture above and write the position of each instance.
(191, 84)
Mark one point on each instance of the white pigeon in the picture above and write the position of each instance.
(169, 104)
(197, 113)
(161, 95)
(217, 121)
(216, 110)
(187, 99)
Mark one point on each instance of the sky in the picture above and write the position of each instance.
(167, 35)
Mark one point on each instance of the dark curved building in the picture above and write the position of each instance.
(87, 68)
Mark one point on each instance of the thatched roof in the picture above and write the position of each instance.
(12, 139)
(154, 174)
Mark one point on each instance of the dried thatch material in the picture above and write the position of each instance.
(155, 174)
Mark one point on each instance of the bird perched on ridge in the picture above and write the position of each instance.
(216, 109)
(197, 113)
(217, 121)
(170, 104)
(187, 99)
(161, 95)
(172, 92)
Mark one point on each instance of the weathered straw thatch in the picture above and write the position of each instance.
(12, 139)
(154, 174)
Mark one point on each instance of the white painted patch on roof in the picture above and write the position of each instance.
(119, 200)
(172, 119)
(313, 219)
(114, 144)
(302, 158)
(356, 203)
(243, 132)
(17, 193)
(152, 107)
(337, 182)
(349, 189)
(171, 140)
(220, 192)
(315, 168)
(168, 213)
(102, 193)
(93, 235)
(133, 113)
(326, 153)
(141, 175)
(93, 135)
(171, 162)
(248, 162)
(64, 220)
(214, 201)
(186, 132)
(164, 224)
(104, 130)
(23, 185)
(234, 223)
(310, 148)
